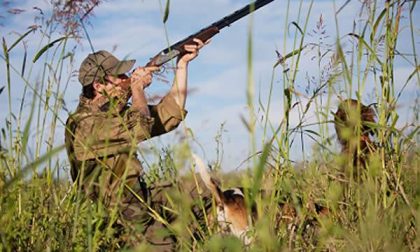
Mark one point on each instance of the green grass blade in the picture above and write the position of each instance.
(20, 39)
(417, 70)
(283, 59)
(25, 136)
(25, 56)
(298, 27)
(166, 13)
(376, 24)
(259, 170)
(8, 80)
(45, 48)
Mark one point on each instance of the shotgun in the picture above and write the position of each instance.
(204, 34)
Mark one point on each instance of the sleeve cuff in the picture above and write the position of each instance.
(172, 108)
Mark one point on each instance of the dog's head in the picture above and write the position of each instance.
(235, 211)
(349, 115)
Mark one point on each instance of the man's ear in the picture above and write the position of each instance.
(98, 86)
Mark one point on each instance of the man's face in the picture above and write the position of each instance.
(115, 86)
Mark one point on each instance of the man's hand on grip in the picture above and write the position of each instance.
(142, 77)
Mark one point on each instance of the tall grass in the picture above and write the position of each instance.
(40, 209)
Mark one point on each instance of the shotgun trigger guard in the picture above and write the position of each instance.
(162, 69)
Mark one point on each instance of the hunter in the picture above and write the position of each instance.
(103, 133)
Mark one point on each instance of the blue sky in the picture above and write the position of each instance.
(218, 77)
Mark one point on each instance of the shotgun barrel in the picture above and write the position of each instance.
(204, 34)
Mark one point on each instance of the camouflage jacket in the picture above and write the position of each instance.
(103, 137)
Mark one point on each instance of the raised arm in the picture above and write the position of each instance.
(141, 79)
(179, 87)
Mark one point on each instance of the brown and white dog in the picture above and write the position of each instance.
(232, 213)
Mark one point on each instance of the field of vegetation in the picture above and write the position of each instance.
(378, 210)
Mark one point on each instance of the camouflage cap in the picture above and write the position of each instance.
(101, 63)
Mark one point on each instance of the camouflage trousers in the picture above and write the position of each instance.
(147, 210)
